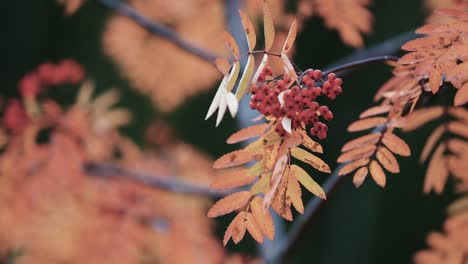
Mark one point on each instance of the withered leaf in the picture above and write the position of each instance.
(230, 203)
(262, 185)
(268, 26)
(264, 218)
(289, 42)
(236, 229)
(223, 65)
(231, 43)
(294, 192)
(276, 177)
(311, 159)
(310, 143)
(232, 179)
(253, 228)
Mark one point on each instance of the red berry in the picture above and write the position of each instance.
(310, 73)
(338, 81)
(261, 78)
(323, 109)
(314, 106)
(305, 79)
(30, 85)
(331, 76)
(317, 91)
(317, 74)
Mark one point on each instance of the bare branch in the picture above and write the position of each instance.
(158, 29)
(174, 184)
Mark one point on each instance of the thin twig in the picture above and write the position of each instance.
(158, 29)
(169, 183)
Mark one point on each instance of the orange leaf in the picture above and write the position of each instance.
(420, 117)
(376, 110)
(435, 79)
(364, 124)
(262, 185)
(264, 218)
(249, 30)
(437, 172)
(234, 178)
(304, 178)
(229, 203)
(360, 176)
(235, 158)
(461, 97)
(388, 160)
(268, 25)
(396, 144)
(223, 65)
(362, 141)
(309, 143)
(294, 192)
(236, 229)
(459, 113)
(253, 228)
(311, 159)
(431, 141)
(357, 153)
(352, 166)
(246, 133)
(458, 128)
(377, 173)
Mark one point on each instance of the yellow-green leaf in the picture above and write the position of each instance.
(246, 77)
(304, 178)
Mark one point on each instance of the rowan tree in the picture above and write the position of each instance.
(76, 187)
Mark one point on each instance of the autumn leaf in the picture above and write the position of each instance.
(311, 159)
(304, 178)
(230, 203)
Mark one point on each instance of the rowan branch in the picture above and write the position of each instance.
(158, 29)
(169, 183)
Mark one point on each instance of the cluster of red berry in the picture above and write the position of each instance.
(49, 74)
(298, 103)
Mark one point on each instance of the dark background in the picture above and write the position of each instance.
(365, 225)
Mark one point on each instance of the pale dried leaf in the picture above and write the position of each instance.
(286, 123)
(260, 67)
(289, 42)
(268, 26)
(264, 218)
(249, 30)
(276, 177)
(231, 43)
